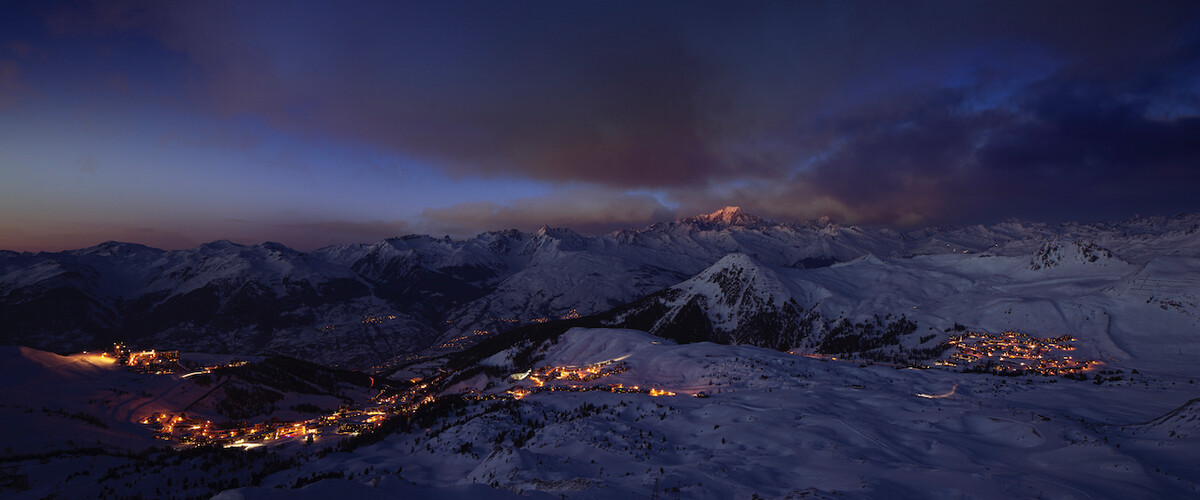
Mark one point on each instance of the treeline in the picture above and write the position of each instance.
(287, 374)
(845, 337)
(241, 402)
(79, 415)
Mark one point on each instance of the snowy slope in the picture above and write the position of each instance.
(1137, 313)
(54, 402)
(785, 426)
(771, 423)
(218, 297)
(735, 301)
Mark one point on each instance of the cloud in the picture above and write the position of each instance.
(1079, 143)
(19, 47)
(10, 82)
(889, 113)
(623, 95)
(780, 201)
(589, 211)
(617, 101)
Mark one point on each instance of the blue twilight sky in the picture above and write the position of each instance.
(313, 123)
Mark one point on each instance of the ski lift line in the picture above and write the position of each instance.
(201, 398)
(1160, 285)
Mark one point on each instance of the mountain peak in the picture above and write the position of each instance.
(219, 244)
(114, 248)
(740, 270)
(735, 260)
(1058, 252)
(727, 214)
(730, 215)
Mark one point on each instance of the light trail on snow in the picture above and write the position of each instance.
(938, 396)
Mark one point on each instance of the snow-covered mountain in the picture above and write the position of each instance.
(734, 301)
(899, 308)
(751, 279)
(1058, 253)
(218, 297)
(817, 399)
(601, 413)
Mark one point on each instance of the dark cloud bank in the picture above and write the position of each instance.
(877, 112)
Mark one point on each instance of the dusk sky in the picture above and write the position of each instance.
(314, 123)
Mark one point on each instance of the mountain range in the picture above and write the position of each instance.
(717, 356)
(726, 277)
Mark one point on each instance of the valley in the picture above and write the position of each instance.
(711, 357)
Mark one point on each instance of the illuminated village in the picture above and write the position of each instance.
(1013, 353)
(188, 430)
(581, 250)
(151, 361)
(197, 431)
(543, 380)
(466, 340)
(1010, 353)
(352, 421)
(345, 421)
(191, 430)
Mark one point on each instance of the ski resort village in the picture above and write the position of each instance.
(599, 249)
(1051, 361)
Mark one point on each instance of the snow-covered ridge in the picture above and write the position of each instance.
(466, 289)
(1179, 423)
(736, 300)
(1058, 252)
(718, 421)
(737, 280)
(730, 216)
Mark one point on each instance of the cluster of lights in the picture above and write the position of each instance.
(543, 377)
(191, 431)
(522, 392)
(376, 320)
(187, 430)
(151, 361)
(464, 341)
(1013, 352)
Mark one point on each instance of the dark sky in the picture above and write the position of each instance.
(311, 123)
